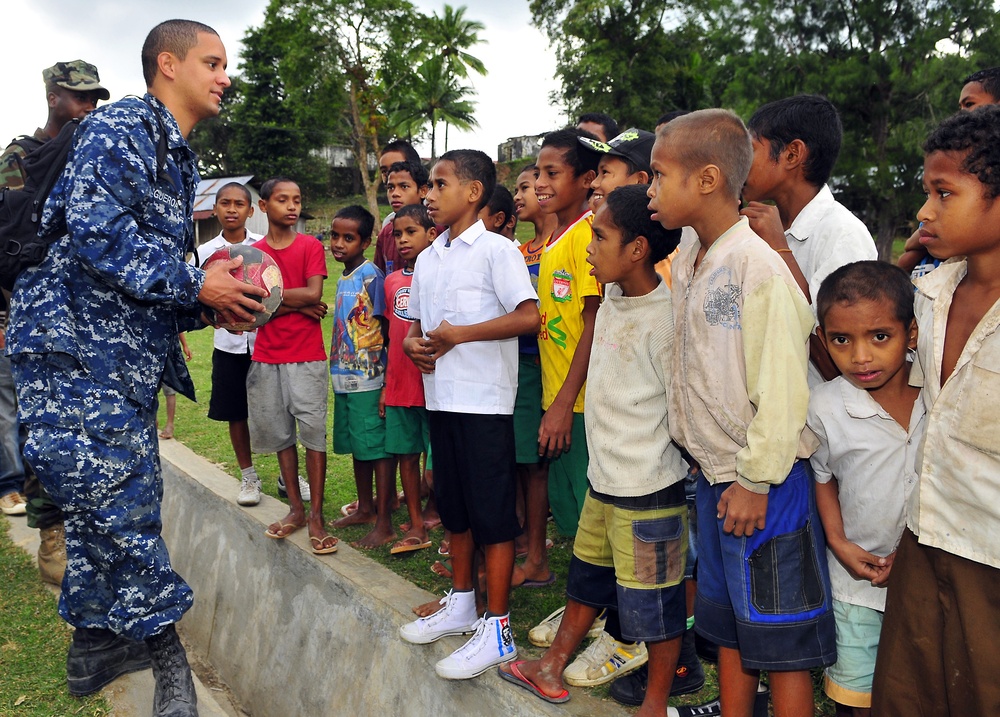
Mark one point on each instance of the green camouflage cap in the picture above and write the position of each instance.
(77, 75)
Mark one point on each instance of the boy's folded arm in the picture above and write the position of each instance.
(311, 293)
(524, 319)
(776, 324)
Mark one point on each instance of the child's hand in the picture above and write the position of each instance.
(420, 352)
(766, 223)
(555, 432)
(187, 353)
(883, 575)
(315, 311)
(742, 511)
(443, 339)
(861, 564)
(381, 403)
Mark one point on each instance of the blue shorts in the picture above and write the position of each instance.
(767, 595)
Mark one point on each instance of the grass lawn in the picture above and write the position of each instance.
(33, 643)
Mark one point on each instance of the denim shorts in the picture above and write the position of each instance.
(767, 595)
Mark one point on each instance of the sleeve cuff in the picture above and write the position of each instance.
(758, 488)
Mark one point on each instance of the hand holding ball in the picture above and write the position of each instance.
(258, 269)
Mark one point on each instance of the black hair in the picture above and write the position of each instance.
(568, 140)
(471, 165)
(235, 185)
(630, 166)
(629, 209)
(713, 136)
(670, 116)
(267, 188)
(173, 36)
(530, 167)
(501, 201)
(989, 79)
(810, 118)
(360, 216)
(610, 126)
(867, 281)
(977, 133)
(404, 148)
(416, 212)
(418, 172)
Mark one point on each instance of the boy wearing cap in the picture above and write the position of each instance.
(624, 160)
(72, 90)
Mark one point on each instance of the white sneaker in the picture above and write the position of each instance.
(249, 490)
(492, 644)
(604, 660)
(457, 617)
(13, 504)
(303, 488)
(542, 634)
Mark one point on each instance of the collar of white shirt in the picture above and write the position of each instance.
(805, 223)
(469, 236)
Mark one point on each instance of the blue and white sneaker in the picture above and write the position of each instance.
(492, 644)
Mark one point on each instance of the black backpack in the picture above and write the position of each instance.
(21, 246)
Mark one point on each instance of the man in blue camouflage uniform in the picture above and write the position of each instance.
(91, 331)
(72, 90)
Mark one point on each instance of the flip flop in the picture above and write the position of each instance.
(408, 545)
(445, 548)
(515, 677)
(539, 583)
(320, 547)
(442, 569)
(349, 509)
(282, 533)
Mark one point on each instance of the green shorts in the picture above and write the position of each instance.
(406, 430)
(849, 681)
(568, 480)
(357, 428)
(527, 408)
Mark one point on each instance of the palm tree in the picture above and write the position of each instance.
(434, 95)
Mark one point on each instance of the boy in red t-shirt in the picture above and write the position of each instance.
(407, 433)
(287, 383)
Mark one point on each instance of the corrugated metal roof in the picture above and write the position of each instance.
(204, 199)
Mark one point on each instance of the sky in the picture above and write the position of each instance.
(513, 99)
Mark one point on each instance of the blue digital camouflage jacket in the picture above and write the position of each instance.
(114, 290)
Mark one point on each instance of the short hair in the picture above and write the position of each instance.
(714, 136)
(471, 165)
(810, 118)
(501, 201)
(267, 188)
(404, 148)
(173, 36)
(629, 208)
(416, 212)
(531, 167)
(867, 281)
(417, 171)
(989, 79)
(609, 125)
(360, 216)
(978, 134)
(671, 116)
(575, 155)
(234, 185)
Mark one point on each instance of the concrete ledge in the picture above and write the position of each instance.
(291, 633)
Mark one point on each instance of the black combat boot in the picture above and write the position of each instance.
(174, 695)
(97, 657)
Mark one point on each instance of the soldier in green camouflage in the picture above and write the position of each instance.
(72, 89)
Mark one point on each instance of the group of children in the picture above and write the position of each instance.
(654, 334)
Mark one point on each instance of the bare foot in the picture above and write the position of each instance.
(543, 678)
(428, 608)
(376, 538)
(530, 571)
(355, 518)
(442, 569)
(167, 433)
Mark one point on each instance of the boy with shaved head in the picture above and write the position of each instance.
(92, 329)
(741, 327)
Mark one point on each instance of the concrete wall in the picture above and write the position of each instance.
(293, 634)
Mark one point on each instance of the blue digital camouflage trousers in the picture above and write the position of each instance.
(95, 452)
